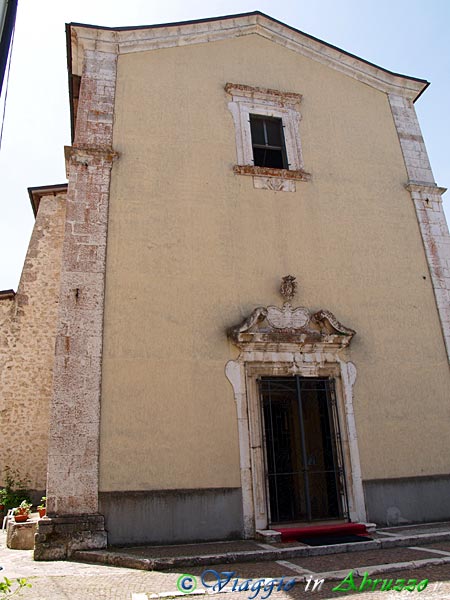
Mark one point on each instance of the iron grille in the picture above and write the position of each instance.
(305, 477)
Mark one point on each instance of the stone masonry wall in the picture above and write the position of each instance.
(75, 410)
(27, 348)
(73, 454)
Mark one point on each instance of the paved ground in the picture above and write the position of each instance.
(77, 581)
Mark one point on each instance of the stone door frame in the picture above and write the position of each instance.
(243, 374)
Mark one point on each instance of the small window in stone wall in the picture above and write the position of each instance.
(267, 136)
(268, 142)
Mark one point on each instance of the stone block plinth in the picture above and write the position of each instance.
(58, 537)
(270, 536)
(20, 536)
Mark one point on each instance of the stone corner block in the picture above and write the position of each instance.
(268, 535)
(59, 537)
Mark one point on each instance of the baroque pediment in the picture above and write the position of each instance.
(269, 326)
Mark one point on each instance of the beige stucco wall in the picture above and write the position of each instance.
(27, 348)
(193, 248)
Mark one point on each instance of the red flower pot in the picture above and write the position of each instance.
(42, 512)
(20, 518)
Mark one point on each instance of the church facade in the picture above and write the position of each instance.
(252, 320)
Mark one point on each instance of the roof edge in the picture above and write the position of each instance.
(36, 193)
(7, 294)
(259, 16)
(174, 23)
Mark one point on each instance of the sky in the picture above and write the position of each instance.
(405, 36)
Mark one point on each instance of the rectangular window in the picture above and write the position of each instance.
(267, 136)
(268, 142)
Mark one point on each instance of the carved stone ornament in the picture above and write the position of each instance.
(288, 287)
(271, 327)
(287, 317)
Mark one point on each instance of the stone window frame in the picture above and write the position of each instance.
(247, 100)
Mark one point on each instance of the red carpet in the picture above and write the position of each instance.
(289, 534)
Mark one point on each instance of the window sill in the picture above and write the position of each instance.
(299, 175)
(268, 178)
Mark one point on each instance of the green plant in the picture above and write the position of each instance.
(24, 508)
(43, 501)
(14, 490)
(6, 587)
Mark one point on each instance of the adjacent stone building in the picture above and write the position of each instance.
(193, 398)
(27, 343)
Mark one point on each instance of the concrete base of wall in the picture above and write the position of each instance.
(172, 516)
(408, 500)
(58, 538)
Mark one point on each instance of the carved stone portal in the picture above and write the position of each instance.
(283, 341)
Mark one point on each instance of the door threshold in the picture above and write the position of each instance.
(276, 531)
(291, 534)
(297, 524)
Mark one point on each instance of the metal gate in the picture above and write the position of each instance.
(305, 478)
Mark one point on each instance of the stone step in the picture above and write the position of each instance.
(137, 557)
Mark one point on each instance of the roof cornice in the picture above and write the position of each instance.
(124, 40)
(36, 193)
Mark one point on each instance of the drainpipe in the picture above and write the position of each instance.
(8, 10)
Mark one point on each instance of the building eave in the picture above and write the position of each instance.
(124, 40)
(36, 193)
(7, 294)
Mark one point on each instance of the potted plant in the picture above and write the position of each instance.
(22, 512)
(3, 498)
(41, 507)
